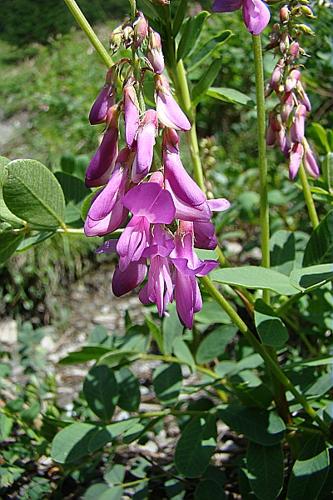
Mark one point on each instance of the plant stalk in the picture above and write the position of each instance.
(262, 160)
(308, 197)
(85, 26)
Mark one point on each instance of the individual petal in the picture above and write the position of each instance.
(310, 162)
(204, 235)
(256, 16)
(186, 297)
(108, 224)
(151, 201)
(295, 159)
(108, 246)
(133, 241)
(287, 106)
(226, 5)
(145, 145)
(140, 26)
(159, 288)
(298, 125)
(180, 181)
(188, 212)
(102, 104)
(218, 204)
(168, 110)
(161, 243)
(105, 201)
(102, 163)
(124, 282)
(131, 113)
(292, 79)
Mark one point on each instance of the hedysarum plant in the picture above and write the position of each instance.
(152, 210)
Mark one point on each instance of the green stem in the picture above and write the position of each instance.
(308, 198)
(260, 349)
(85, 26)
(261, 128)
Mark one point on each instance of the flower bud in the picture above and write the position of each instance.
(140, 29)
(310, 162)
(284, 14)
(292, 79)
(304, 99)
(116, 38)
(103, 101)
(307, 12)
(155, 54)
(297, 127)
(287, 106)
(277, 74)
(284, 43)
(303, 28)
(294, 49)
(295, 159)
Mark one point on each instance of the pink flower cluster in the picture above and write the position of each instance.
(286, 127)
(164, 212)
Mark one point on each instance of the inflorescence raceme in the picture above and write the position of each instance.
(164, 212)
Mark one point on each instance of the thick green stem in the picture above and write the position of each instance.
(260, 349)
(85, 26)
(262, 161)
(308, 198)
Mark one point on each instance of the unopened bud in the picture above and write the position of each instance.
(140, 29)
(155, 54)
(277, 74)
(292, 79)
(294, 49)
(307, 12)
(287, 106)
(304, 29)
(284, 43)
(284, 14)
(116, 38)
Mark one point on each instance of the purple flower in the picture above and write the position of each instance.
(131, 112)
(107, 212)
(145, 145)
(155, 54)
(187, 267)
(295, 160)
(310, 162)
(256, 14)
(103, 102)
(287, 106)
(169, 112)
(292, 79)
(149, 204)
(102, 163)
(125, 281)
(204, 235)
(297, 127)
(159, 288)
(140, 29)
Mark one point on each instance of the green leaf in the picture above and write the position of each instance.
(196, 446)
(214, 344)
(100, 389)
(210, 50)
(167, 382)
(155, 331)
(129, 390)
(33, 193)
(87, 353)
(115, 474)
(5, 213)
(179, 17)
(95, 491)
(319, 135)
(270, 327)
(255, 277)
(265, 470)
(211, 313)
(229, 95)
(9, 242)
(190, 34)
(283, 251)
(319, 249)
(172, 328)
(260, 426)
(182, 352)
(73, 188)
(208, 77)
(6, 425)
(309, 470)
(33, 240)
(308, 277)
(321, 386)
(76, 441)
(328, 168)
(208, 489)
